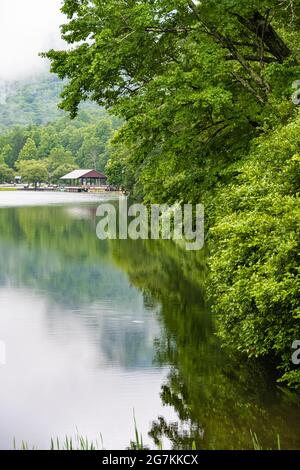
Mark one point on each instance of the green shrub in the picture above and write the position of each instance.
(254, 261)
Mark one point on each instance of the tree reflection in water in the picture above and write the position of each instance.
(218, 399)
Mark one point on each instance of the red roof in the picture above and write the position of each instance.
(94, 174)
(78, 174)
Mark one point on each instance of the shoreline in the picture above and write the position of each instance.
(62, 190)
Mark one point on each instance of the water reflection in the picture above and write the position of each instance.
(79, 339)
(94, 329)
(218, 399)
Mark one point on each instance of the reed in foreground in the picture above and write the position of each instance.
(83, 443)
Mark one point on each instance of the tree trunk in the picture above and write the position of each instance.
(265, 32)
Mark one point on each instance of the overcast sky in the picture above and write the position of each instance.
(27, 27)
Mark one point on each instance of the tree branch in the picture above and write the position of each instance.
(248, 87)
(154, 29)
(266, 33)
(253, 58)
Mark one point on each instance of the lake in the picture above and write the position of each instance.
(97, 331)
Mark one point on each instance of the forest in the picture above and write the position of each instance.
(43, 144)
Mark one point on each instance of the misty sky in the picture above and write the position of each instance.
(27, 27)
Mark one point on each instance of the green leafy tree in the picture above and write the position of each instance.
(94, 152)
(62, 170)
(89, 153)
(49, 139)
(60, 162)
(6, 173)
(193, 93)
(16, 139)
(118, 168)
(59, 156)
(5, 153)
(29, 151)
(33, 171)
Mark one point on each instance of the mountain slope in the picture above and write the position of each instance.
(31, 102)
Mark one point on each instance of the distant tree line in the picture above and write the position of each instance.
(47, 152)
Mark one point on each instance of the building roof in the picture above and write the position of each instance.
(77, 174)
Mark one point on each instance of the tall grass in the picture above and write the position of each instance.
(138, 443)
(69, 443)
(258, 446)
(80, 443)
(83, 443)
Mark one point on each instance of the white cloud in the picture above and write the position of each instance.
(27, 27)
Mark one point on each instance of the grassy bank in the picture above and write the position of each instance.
(8, 189)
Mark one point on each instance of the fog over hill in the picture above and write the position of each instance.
(26, 29)
(33, 101)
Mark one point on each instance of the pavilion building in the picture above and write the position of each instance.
(85, 179)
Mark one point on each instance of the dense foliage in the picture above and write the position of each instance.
(205, 88)
(31, 101)
(255, 250)
(60, 144)
(217, 399)
(27, 102)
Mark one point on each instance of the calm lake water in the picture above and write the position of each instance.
(94, 330)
